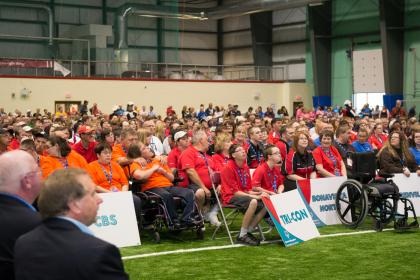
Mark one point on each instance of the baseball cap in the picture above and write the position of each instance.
(85, 129)
(130, 103)
(179, 135)
(27, 128)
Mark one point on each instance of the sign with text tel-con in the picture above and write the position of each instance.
(291, 217)
(320, 196)
(116, 220)
(409, 188)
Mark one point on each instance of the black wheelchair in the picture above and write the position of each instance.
(155, 217)
(364, 194)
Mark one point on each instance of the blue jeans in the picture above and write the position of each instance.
(167, 195)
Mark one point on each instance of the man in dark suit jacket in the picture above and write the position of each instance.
(63, 247)
(20, 183)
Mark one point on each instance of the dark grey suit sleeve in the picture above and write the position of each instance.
(110, 265)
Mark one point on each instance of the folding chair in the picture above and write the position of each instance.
(224, 222)
(233, 213)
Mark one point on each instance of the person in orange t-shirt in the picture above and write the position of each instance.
(60, 155)
(158, 179)
(119, 151)
(109, 175)
(106, 174)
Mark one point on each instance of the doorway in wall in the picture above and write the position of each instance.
(296, 104)
(69, 106)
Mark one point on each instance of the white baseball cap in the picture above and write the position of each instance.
(179, 135)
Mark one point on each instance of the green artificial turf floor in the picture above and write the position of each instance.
(384, 255)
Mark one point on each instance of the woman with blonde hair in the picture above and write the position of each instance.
(144, 135)
(160, 130)
(222, 144)
(395, 156)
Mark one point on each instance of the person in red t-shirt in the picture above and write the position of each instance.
(398, 111)
(274, 135)
(199, 167)
(236, 190)
(15, 141)
(378, 137)
(327, 158)
(5, 139)
(240, 137)
(182, 142)
(285, 141)
(86, 146)
(267, 178)
(221, 148)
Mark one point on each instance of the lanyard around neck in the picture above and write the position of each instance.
(108, 176)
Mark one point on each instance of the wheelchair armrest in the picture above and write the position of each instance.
(142, 195)
(385, 175)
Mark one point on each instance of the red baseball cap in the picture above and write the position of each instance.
(85, 129)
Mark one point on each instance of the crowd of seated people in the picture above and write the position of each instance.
(212, 151)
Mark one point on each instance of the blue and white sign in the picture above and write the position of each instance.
(320, 195)
(116, 220)
(409, 188)
(291, 217)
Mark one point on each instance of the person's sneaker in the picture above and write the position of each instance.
(214, 220)
(247, 240)
(250, 235)
(191, 223)
(175, 225)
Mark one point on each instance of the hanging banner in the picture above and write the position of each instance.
(25, 63)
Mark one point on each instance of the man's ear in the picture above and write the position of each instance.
(74, 206)
(25, 183)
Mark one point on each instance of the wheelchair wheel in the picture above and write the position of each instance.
(351, 203)
(383, 210)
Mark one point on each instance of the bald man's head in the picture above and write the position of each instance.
(19, 175)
